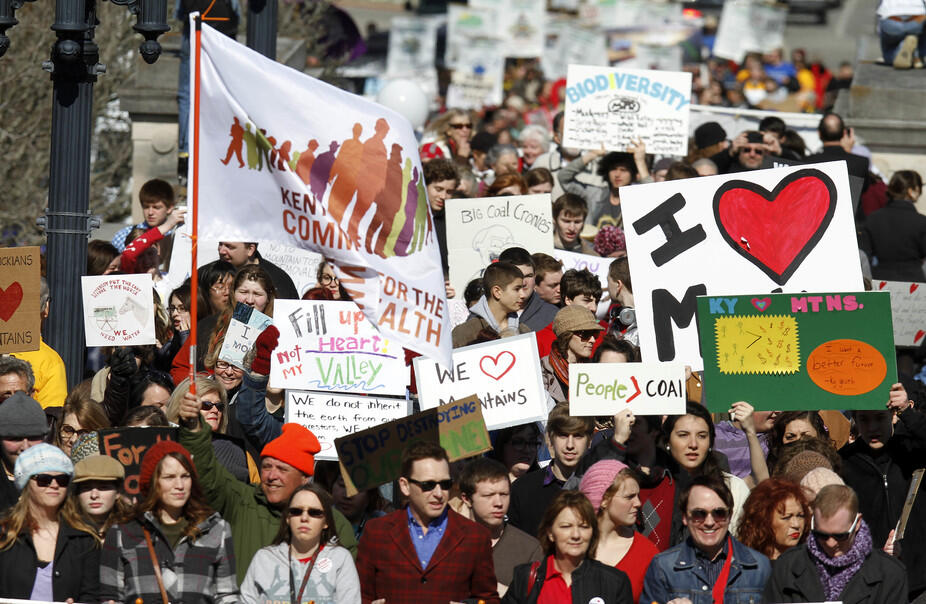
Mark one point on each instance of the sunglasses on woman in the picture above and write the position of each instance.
(295, 512)
(45, 480)
(208, 405)
(698, 515)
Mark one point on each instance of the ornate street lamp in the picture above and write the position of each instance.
(74, 68)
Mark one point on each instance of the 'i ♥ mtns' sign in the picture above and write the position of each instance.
(783, 230)
(504, 374)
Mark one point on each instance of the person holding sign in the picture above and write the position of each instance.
(839, 561)
(425, 552)
(254, 510)
(709, 566)
(576, 330)
(569, 535)
(318, 568)
(46, 551)
(176, 548)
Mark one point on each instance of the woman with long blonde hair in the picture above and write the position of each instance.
(47, 552)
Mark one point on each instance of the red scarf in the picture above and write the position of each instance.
(721, 584)
(560, 367)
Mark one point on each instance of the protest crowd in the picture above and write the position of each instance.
(239, 499)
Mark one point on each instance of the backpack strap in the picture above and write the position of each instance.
(532, 577)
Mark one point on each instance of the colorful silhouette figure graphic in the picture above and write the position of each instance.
(264, 147)
(283, 155)
(250, 143)
(387, 205)
(321, 167)
(234, 147)
(398, 223)
(306, 159)
(343, 176)
(422, 216)
(403, 245)
(373, 181)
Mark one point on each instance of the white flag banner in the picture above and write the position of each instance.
(286, 158)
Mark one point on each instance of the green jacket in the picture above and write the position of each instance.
(254, 522)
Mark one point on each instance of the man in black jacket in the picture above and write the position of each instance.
(837, 141)
(838, 561)
(879, 466)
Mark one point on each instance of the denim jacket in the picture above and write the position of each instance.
(675, 574)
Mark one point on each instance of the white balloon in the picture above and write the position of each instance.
(405, 97)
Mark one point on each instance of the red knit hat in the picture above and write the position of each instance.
(153, 457)
(297, 446)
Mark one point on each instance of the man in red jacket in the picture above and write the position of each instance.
(425, 552)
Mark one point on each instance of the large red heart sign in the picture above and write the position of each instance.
(777, 230)
(497, 367)
(10, 299)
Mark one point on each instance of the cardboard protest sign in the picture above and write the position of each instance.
(118, 310)
(505, 374)
(797, 351)
(788, 229)
(374, 456)
(20, 315)
(331, 346)
(246, 324)
(645, 388)
(128, 446)
(908, 309)
(748, 26)
(331, 416)
(615, 107)
(484, 227)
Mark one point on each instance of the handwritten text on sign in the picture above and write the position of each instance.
(726, 234)
(615, 107)
(331, 346)
(374, 456)
(331, 416)
(645, 389)
(128, 446)
(797, 351)
(908, 309)
(246, 324)
(505, 374)
(118, 310)
(19, 299)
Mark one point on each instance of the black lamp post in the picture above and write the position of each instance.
(262, 27)
(74, 68)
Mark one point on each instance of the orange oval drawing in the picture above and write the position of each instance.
(846, 367)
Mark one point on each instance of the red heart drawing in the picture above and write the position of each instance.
(919, 336)
(776, 231)
(497, 371)
(10, 299)
(761, 304)
(913, 287)
(882, 284)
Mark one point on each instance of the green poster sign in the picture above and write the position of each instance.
(797, 351)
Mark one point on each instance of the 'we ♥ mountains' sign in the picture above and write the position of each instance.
(504, 374)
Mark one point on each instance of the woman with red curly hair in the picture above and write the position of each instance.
(775, 517)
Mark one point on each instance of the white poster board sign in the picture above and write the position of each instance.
(479, 75)
(412, 42)
(908, 309)
(615, 107)
(332, 347)
(301, 265)
(464, 24)
(330, 416)
(504, 374)
(118, 310)
(747, 26)
(482, 228)
(567, 42)
(520, 23)
(782, 230)
(597, 265)
(597, 389)
(246, 324)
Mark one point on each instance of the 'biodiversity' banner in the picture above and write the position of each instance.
(321, 169)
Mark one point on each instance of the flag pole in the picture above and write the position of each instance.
(194, 207)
